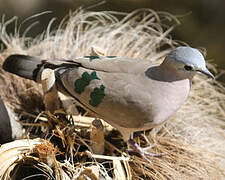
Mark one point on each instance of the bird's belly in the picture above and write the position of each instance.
(167, 100)
(129, 116)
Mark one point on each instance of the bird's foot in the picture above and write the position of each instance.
(144, 152)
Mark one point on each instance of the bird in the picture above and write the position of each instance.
(130, 94)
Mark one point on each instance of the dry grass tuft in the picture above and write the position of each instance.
(193, 138)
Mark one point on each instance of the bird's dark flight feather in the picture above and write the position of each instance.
(24, 66)
(29, 67)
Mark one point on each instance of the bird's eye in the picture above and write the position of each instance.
(188, 68)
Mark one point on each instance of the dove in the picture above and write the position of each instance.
(130, 94)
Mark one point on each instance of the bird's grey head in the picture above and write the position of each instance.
(188, 61)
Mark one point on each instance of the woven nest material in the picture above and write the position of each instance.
(194, 138)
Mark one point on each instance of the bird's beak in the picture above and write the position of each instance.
(207, 73)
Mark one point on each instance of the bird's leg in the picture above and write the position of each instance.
(144, 152)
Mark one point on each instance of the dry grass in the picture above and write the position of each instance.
(194, 138)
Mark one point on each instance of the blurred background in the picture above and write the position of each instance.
(202, 21)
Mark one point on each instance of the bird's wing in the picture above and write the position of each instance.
(117, 97)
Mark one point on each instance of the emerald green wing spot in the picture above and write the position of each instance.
(84, 81)
(91, 58)
(97, 96)
(110, 56)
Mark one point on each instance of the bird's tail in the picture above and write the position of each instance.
(24, 66)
